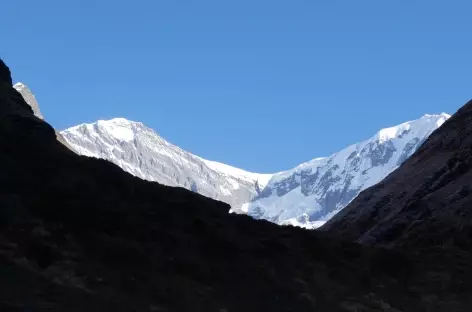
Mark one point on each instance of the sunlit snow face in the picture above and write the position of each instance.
(322, 187)
(119, 128)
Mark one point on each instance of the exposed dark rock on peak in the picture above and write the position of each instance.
(426, 202)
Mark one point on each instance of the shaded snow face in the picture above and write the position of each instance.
(320, 188)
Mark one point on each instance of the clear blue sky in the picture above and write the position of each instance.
(262, 85)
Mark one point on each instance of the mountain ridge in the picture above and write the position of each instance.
(316, 190)
(142, 152)
(287, 197)
(246, 192)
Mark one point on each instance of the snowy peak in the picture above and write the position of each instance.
(121, 129)
(420, 127)
(313, 192)
(307, 195)
(112, 135)
(29, 98)
(124, 130)
(143, 153)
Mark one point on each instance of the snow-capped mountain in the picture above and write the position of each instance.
(306, 196)
(143, 153)
(313, 192)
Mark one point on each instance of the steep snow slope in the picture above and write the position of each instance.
(143, 153)
(316, 190)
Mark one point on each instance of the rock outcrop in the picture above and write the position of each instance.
(30, 99)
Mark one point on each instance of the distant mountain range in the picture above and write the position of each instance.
(307, 195)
